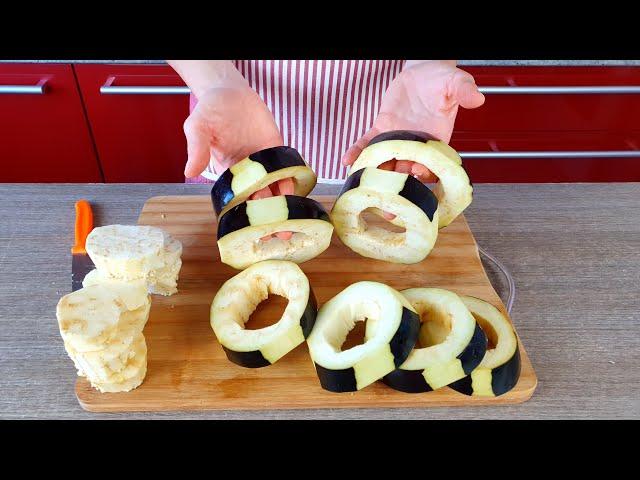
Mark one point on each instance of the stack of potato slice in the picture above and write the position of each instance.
(102, 323)
(101, 326)
(135, 252)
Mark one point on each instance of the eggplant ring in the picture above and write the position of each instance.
(454, 190)
(257, 171)
(454, 343)
(499, 370)
(415, 207)
(391, 332)
(242, 227)
(415, 136)
(238, 298)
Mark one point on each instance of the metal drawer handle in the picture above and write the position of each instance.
(39, 88)
(622, 89)
(559, 154)
(109, 89)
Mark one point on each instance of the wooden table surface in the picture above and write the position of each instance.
(573, 249)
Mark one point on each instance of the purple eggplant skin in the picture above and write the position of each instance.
(247, 359)
(503, 378)
(412, 381)
(232, 220)
(408, 381)
(414, 191)
(403, 341)
(298, 208)
(308, 319)
(474, 352)
(352, 181)
(255, 359)
(337, 381)
(406, 336)
(411, 135)
(272, 159)
(420, 195)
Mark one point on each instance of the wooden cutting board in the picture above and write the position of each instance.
(188, 370)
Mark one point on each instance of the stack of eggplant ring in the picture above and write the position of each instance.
(416, 341)
(266, 237)
(247, 228)
(411, 204)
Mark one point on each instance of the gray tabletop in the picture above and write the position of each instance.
(574, 250)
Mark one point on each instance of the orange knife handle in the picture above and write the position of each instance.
(84, 225)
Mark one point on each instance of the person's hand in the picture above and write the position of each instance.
(228, 123)
(425, 96)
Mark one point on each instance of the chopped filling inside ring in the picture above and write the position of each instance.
(301, 226)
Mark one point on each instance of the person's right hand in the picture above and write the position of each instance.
(228, 124)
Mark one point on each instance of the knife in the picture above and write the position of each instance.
(81, 263)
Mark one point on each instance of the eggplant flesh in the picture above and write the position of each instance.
(454, 190)
(500, 368)
(416, 136)
(241, 229)
(257, 171)
(401, 184)
(238, 298)
(380, 190)
(270, 210)
(451, 343)
(390, 334)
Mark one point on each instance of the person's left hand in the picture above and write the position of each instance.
(425, 97)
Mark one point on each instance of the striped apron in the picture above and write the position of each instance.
(320, 106)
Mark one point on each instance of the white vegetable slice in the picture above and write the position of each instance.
(238, 298)
(414, 205)
(240, 231)
(391, 332)
(499, 370)
(134, 252)
(451, 344)
(454, 190)
(93, 316)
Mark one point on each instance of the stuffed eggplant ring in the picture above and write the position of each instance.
(415, 207)
(451, 343)
(238, 298)
(454, 190)
(390, 334)
(241, 229)
(257, 171)
(499, 370)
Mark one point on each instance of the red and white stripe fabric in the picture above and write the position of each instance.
(321, 106)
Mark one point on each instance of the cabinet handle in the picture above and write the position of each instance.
(622, 89)
(555, 154)
(109, 89)
(39, 88)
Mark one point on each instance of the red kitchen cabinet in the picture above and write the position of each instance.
(551, 133)
(136, 114)
(500, 162)
(44, 135)
(511, 111)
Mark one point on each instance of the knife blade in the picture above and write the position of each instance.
(81, 263)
